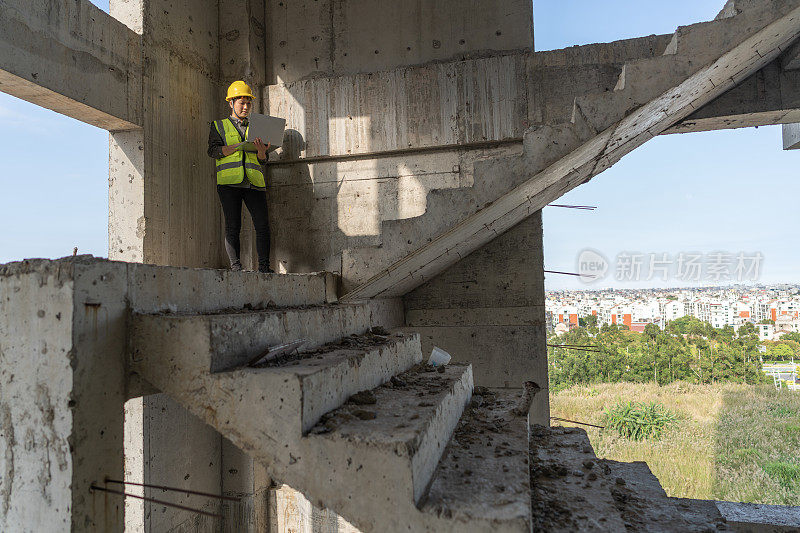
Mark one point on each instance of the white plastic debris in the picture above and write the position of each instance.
(438, 357)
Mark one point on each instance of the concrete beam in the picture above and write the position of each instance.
(791, 136)
(73, 58)
(588, 160)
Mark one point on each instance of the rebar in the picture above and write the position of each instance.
(584, 207)
(156, 501)
(175, 489)
(571, 274)
(576, 422)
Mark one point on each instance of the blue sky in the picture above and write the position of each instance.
(732, 190)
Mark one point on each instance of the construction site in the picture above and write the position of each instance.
(422, 141)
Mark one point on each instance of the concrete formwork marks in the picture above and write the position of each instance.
(331, 37)
(438, 104)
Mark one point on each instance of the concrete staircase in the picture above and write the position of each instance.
(356, 422)
(640, 82)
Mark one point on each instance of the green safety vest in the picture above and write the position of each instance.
(232, 169)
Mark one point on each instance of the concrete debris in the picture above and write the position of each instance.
(363, 398)
(352, 342)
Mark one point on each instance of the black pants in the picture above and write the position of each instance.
(256, 202)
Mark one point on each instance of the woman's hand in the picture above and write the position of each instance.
(261, 148)
(228, 150)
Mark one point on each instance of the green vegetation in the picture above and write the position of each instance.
(687, 350)
(638, 420)
(730, 441)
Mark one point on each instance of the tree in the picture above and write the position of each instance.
(652, 331)
(589, 322)
(779, 352)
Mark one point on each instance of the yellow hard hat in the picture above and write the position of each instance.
(237, 89)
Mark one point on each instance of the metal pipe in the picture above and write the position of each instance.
(154, 500)
(175, 489)
(396, 152)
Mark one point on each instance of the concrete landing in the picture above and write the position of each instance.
(483, 482)
(570, 486)
(645, 506)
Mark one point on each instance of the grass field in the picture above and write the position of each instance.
(731, 442)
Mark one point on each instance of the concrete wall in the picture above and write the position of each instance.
(291, 512)
(342, 75)
(62, 335)
(312, 37)
(488, 310)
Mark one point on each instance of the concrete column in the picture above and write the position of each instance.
(488, 310)
(244, 478)
(62, 386)
(791, 136)
(126, 219)
(292, 512)
(176, 212)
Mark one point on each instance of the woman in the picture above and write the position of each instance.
(240, 176)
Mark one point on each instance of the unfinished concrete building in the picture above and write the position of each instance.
(423, 140)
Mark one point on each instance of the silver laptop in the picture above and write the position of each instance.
(270, 129)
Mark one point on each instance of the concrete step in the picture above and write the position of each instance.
(412, 415)
(571, 490)
(323, 379)
(374, 461)
(483, 480)
(199, 343)
(444, 208)
(642, 501)
(290, 394)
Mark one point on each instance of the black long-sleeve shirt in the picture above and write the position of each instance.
(216, 142)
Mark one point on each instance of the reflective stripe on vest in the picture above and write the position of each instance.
(231, 169)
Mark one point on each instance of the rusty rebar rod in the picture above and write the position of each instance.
(175, 489)
(571, 274)
(585, 207)
(576, 422)
(156, 501)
